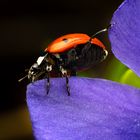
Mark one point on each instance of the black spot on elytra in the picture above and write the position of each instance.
(65, 40)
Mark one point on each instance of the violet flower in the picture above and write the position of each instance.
(97, 109)
(125, 34)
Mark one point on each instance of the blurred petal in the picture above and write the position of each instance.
(96, 110)
(125, 34)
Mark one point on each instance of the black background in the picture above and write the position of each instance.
(26, 27)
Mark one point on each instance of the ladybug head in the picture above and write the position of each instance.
(38, 68)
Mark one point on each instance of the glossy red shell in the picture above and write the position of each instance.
(69, 41)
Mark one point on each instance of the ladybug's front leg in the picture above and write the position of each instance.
(64, 73)
(48, 69)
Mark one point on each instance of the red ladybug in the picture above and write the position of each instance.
(66, 55)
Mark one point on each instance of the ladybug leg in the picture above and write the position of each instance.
(48, 83)
(86, 48)
(67, 85)
(88, 44)
(101, 31)
(64, 73)
(49, 69)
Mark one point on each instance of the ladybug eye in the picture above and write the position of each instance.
(65, 40)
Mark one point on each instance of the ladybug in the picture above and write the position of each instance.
(66, 55)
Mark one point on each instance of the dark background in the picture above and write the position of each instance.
(26, 27)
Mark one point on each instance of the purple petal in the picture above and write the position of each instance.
(125, 34)
(96, 110)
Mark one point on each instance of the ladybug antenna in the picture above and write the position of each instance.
(26, 70)
(101, 31)
(22, 78)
